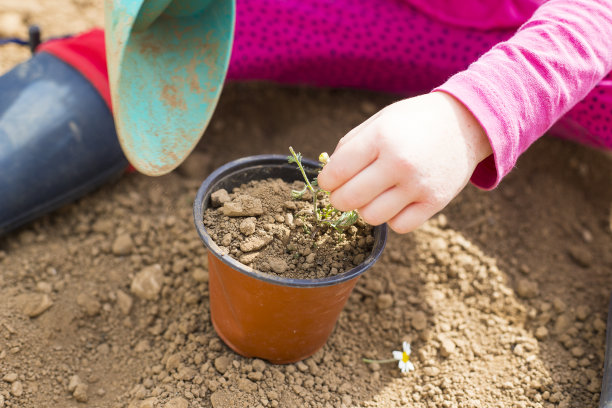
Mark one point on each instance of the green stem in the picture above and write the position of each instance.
(314, 194)
(367, 360)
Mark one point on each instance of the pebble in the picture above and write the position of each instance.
(148, 403)
(562, 323)
(278, 265)
(384, 301)
(243, 206)
(200, 275)
(255, 376)
(222, 364)
(541, 333)
(74, 381)
(577, 351)
(248, 226)
(89, 304)
(37, 304)
(173, 361)
(447, 347)
(526, 288)
(10, 377)
(44, 287)
(582, 312)
(581, 256)
(148, 282)
(419, 321)
(219, 197)
(177, 402)
(12, 25)
(80, 392)
(17, 389)
(124, 301)
(123, 245)
(246, 385)
(254, 243)
(431, 371)
(259, 365)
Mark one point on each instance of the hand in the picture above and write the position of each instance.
(407, 162)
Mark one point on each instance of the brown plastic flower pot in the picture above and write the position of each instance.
(278, 319)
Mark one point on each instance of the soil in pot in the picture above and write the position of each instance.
(261, 226)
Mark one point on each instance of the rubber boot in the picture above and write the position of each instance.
(57, 139)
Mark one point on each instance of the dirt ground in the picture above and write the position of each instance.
(503, 296)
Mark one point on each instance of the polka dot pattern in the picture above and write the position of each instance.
(378, 45)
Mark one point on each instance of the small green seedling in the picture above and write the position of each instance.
(327, 215)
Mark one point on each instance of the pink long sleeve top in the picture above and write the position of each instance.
(522, 86)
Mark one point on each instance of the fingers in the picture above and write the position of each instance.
(385, 206)
(411, 217)
(349, 158)
(364, 187)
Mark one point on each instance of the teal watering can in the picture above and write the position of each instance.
(167, 61)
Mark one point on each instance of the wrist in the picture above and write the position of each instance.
(469, 128)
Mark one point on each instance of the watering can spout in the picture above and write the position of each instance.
(167, 61)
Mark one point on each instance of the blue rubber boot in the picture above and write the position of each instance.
(57, 140)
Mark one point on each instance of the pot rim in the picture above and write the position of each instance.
(239, 165)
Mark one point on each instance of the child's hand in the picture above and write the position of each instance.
(407, 162)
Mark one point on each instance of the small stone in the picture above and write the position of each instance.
(186, 373)
(541, 333)
(10, 377)
(227, 239)
(562, 323)
(177, 402)
(419, 321)
(37, 304)
(12, 25)
(80, 392)
(577, 351)
(447, 347)
(278, 265)
(255, 376)
(582, 312)
(248, 226)
(255, 243)
(200, 275)
(148, 403)
(89, 304)
(246, 385)
(247, 259)
(173, 361)
(142, 346)
(259, 365)
(243, 206)
(222, 364)
(219, 197)
(17, 389)
(44, 287)
(384, 301)
(431, 371)
(526, 288)
(124, 301)
(74, 381)
(123, 245)
(581, 256)
(148, 282)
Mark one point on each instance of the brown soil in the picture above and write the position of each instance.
(259, 225)
(503, 296)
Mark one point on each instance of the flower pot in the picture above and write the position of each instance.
(278, 319)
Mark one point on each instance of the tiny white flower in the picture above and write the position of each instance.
(403, 358)
(324, 158)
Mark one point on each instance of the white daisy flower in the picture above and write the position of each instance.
(403, 358)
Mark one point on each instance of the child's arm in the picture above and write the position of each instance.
(408, 161)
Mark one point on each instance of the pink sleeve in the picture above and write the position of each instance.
(522, 86)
